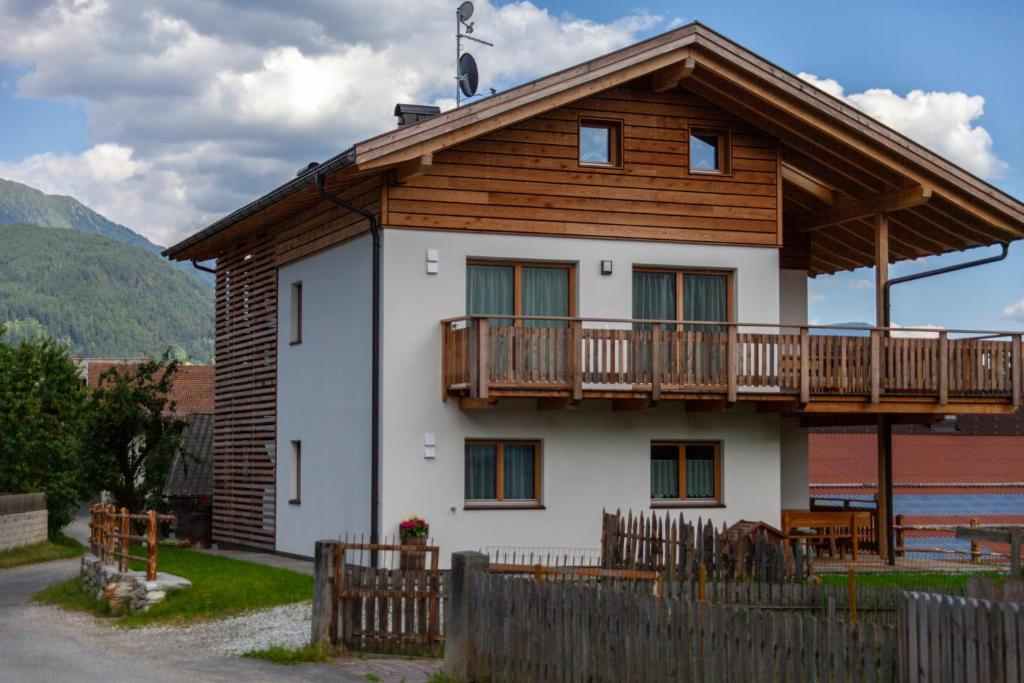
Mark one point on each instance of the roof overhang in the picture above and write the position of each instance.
(839, 164)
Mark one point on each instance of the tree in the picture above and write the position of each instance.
(42, 399)
(130, 435)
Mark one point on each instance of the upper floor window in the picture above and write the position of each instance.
(686, 473)
(296, 313)
(520, 288)
(709, 151)
(600, 143)
(669, 294)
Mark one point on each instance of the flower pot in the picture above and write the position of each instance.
(415, 559)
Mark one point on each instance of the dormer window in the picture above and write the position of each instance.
(709, 151)
(600, 143)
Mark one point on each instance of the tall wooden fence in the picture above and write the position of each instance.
(952, 639)
(523, 630)
(378, 597)
(670, 544)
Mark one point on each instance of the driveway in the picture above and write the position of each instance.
(44, 644)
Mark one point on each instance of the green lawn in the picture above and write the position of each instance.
(64, 548)
(909, 580)
(287, 655)
(221, 587)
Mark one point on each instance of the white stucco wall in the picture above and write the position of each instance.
(593, 458)
(794, 445)
(323, 397)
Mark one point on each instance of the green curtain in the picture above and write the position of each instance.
(700, 472)
(545, 292)
(705, 297)
(664, 472)
(490, 290)
(481, 471)
(654, 297)
(519, 472)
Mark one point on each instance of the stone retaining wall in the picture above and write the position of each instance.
(22, 528)
(127, 591)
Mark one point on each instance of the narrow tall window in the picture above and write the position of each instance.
(709, 151)
(686, 473)
(600, 143)
(296, 322)
(502, 473)
(295, 476)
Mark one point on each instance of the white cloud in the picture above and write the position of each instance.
(815, 297)
(860, 284)
(916, 333)
(1015, 311)
(941, 121)
(197, 107)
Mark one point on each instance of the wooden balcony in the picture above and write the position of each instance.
(803, 369)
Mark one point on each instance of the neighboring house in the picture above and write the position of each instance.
(526, 242)
(958, 470)
(191, 391)
(189, 488)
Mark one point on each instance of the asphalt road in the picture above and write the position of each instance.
(48, 645)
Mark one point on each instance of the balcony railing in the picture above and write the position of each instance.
(486, 357)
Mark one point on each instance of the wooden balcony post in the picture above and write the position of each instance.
(805, 365)
(943, 368)
(444, 359)
(481, 357)
(472, 349)
(656, 362)
(731, 361)
(876, 365)
(577, 359)
(1016, 372)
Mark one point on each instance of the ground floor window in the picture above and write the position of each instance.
(686, 473)
(502, 473)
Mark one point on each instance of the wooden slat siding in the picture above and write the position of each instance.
(326, 224)
(245, 395)
(526, 178)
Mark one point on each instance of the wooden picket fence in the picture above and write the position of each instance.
(670, 544)
(378, 597)
(522, 630)
(954, 639)
(111, 536)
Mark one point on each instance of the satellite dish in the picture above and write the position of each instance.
(465, 11)
(469, 77)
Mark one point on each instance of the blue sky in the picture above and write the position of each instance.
(150, 120)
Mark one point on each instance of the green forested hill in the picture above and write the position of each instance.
(105, 297)
(23, 204)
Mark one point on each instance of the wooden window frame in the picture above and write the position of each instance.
(296, 462)
(517, 279)
(499, 503)
(680, 276)
(295, 320)
(683, 502)
(724, 136)
(615, 142)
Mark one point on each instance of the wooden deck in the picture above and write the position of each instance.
(806, 369)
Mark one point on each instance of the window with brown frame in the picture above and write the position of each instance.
(521, 288)
(503, 473)
(682, 294)
(296, 313)
(295, 480)
(686, 473)
(600, 143)
(710, 151)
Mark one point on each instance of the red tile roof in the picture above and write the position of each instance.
(191, 390)
(917, 458)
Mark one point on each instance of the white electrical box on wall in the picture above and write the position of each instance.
(432, 261)
(429, 446)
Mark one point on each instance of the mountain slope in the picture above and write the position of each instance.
(23, 204)
(106, 298)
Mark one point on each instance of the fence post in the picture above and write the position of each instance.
(457, 651)
(851, 587)
(151, 541)
(702, 578)
(900, 533)
(124, 543)
(975, 545)
(323, 592)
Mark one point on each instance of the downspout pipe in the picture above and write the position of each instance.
(199, 266)
(885, 421)
(374, 362)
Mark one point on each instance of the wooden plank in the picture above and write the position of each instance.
(895, 200)
(671, 76)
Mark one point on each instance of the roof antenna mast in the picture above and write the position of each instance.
(467, 78)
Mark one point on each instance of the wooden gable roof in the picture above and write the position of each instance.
(839, 165)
